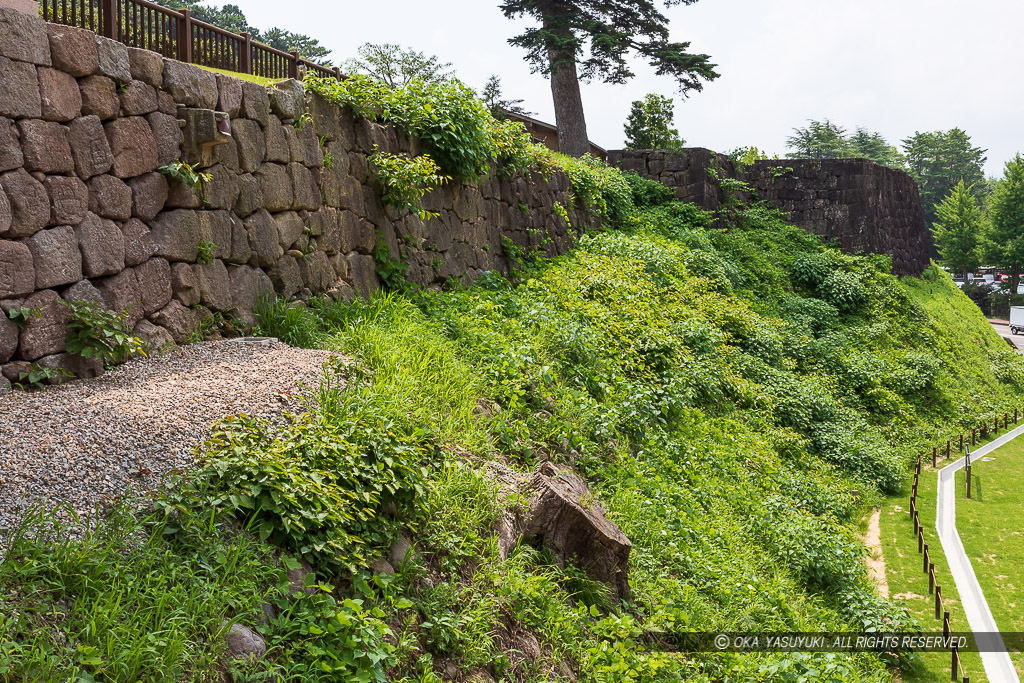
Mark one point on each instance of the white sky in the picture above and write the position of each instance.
(894, 66)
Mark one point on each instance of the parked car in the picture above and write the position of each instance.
(1016, 319)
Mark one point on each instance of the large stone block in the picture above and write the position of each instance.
(19, 90)
(222, 190)
(149, 194)
(73, 50)
(23, 37)
(158, 341)
(146, 66)
(138, 242)
(121, 292)
(56, 257)
(60, 98)
(83, 290)
(289, 228)
(317, 273)
(307, 192)
(99, 97)
(30, 205)
(133, 146)
(251, 142)
(189, 85)
(102, 245)
(363, 271)
(255, 103)
(45, 145)
(276, 187)
(138, 99)
(168, 135)
(184, 284)
(89, 147)
(113, 59)
(17, 272)
(8, 342)
(176, 235)
(178, 320)
(243, 294)
(230, 95)
(250, 195)
(263, 239)
(277, 149)
(288, 100)
(10, 148)
(227, 154)
(154, 278)
(46, 330)
(5, 212)
(286, 277)
(109, 197)
(241, 252)
(215, 228)
(69, 199)
(355, 234)
(214, 285)
(325, 116)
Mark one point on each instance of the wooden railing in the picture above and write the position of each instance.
(928, 567)
(175, 34)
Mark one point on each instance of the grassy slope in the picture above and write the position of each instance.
(989, 525)
(723, 392)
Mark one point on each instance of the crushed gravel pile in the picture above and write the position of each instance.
(89, 441)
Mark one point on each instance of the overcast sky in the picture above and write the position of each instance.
(895, 66)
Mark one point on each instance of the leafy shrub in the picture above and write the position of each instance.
(315, 486)
(95, 332)
(597, 187)
(648, 193)
(406, 179)
(844, 291)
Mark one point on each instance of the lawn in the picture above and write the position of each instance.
(991, 531)
(245, 77)
(908, 584)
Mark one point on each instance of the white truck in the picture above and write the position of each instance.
(1016, 319)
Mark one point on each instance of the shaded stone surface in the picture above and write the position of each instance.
(176, 235)
(168, 136)
(17, 274)
(30, 205)
(146, 66)
(189, 85)
(179, 321)
(19, 90)
(45, 145)
(89, 147)
(133, 146)
(113, 59)
(55, 257)
(73, 50)
(23, 37)
(102, 246)
(138, 99)
(109, 197)
(69, 199)
(148, 195)
(99, 97)
(60, 98)
(121, 293)
(138, 242)
(154, 278)
(45, 331)
(10, 148)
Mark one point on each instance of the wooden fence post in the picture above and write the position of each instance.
(961, 442)
(920, 539)
(956, 663)
(245, 58)
(926, 558)
(938, 601)
(947, 449)
(185, 37)
(968, 481)
(931, 578)
(914, 515)
(935, 455)
(108, 20)
(293, 65)
(945, 624)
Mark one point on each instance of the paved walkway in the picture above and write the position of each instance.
(998, 666)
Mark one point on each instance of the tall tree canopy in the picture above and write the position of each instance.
(649, 125)
(938, 161)
(1005, 238)
(495, 99)
(826, 140)
(232, 18)
(957, 230)
(396, 66)
(586, 39)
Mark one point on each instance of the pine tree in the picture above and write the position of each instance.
(1006, 230)
(586, 39)
(649, 125)
(957, 230)
(938, 161)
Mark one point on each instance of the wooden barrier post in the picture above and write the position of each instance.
(968, 481)
(972, 436)
(931, 578)
(961, 442)
(245, 58)
(293, 65)
(108, 19)
(947, 449)
(935, 456)
(945, 624)
(956, 663)
(920, 540)
(185, 37)
(938, 601)
(926, 558)
(917, 524)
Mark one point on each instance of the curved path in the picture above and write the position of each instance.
(998, 666)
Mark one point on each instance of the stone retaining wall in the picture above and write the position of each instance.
(293, 206)
(866, 207)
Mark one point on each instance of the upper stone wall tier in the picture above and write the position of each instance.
(293, 206)
(864, 206)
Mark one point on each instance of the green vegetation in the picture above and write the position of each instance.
(406, 179)
(95, 332)
(649, 125)
(939, 160)
(1005, 236)
(826, 140)
(396, 67)
(259, 80)
(992, 541)
(724, 391)
(958, 230)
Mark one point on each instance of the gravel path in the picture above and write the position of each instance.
(88, 441)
